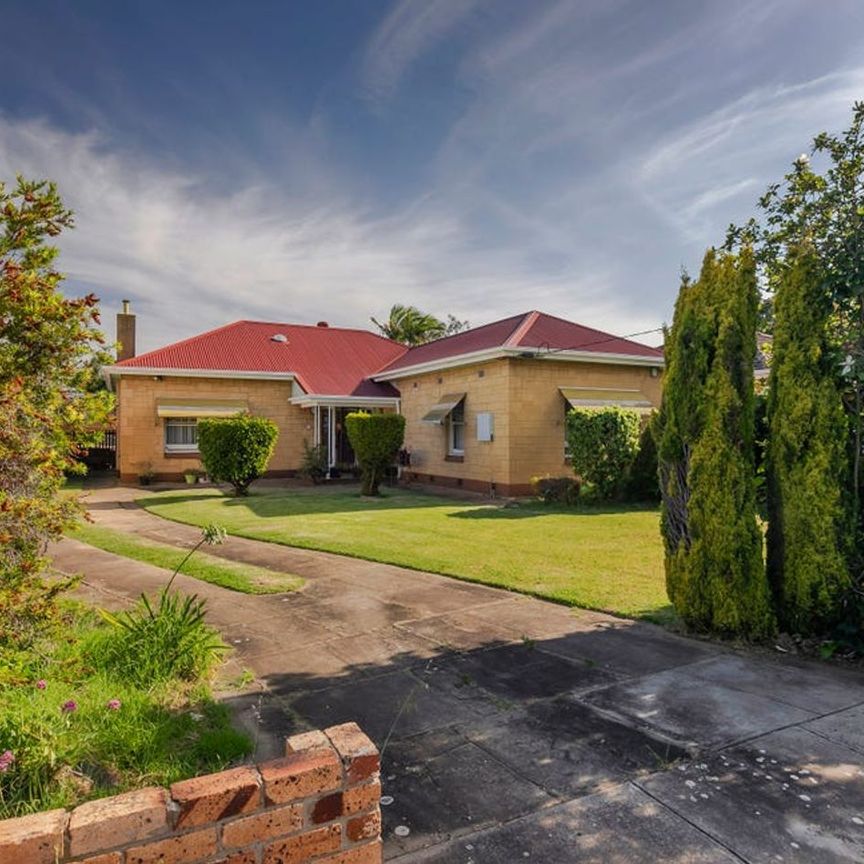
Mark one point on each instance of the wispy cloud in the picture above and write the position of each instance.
(408, 32)
(699, 166)
(191, 256)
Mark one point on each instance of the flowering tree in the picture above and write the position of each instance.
(49, 408)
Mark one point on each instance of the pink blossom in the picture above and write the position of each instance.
(69, 706)
(113, 704)
(6, 760)
(41, 684)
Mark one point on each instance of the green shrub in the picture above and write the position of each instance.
(603, 444)
(376, 440)
(156, 642)
(809, 529)
(715, 575)
(643, 483)
(557, 490)
(315, 463)
(236, 449)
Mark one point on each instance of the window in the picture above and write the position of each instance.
(456, 443)
(181, 434)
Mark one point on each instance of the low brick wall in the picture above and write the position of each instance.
(319, 803)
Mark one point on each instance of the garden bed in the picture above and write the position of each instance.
(75, 724)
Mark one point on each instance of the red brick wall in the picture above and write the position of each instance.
(319, 803)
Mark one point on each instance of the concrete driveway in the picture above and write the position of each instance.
(518, 730)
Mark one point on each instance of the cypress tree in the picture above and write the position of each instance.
(714, 570)
(807, 466)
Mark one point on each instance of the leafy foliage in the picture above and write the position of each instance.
(237, 450)
(410, 326)
(117, 732)
(375, 439)
(603, 443)
(156, 642)
(643, 483)
(824, 209)
(714, 571)
(557, 490)
(49, 407)
(314, 465)
(807, 464)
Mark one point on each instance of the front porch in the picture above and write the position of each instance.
(329, 428)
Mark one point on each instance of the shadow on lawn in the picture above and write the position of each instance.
(273, 502)
(534, 509)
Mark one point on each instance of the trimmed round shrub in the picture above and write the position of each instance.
(237, 450)
(376, 440)
(603, 443)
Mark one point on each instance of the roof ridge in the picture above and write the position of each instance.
(610, 336)
(529, 319)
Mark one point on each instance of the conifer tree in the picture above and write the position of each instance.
(808, 464)
(714, 570)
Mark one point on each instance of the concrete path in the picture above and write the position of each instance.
(517, 730)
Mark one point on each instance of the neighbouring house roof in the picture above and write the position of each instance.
(332, 361)
(532, 332)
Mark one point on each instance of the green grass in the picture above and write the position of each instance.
(156, 735)
(608, 558)
(233, 575)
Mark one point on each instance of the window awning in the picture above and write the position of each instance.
(199, 407)
(599, 397)
(442, 409)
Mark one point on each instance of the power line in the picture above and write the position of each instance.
(551, 350)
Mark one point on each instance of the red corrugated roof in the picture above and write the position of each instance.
(328, 361)
(529, 330)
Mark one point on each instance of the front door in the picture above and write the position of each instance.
(334, 436)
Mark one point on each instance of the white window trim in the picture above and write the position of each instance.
(192, 449)
(451, 449)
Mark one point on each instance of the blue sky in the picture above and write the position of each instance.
(297, 161)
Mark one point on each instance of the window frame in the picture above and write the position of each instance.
(456, 419)
(184, 423)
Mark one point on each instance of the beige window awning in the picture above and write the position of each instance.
(600, 397)
(442, 409)
(199, 407)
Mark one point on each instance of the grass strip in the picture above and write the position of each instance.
(233, 575)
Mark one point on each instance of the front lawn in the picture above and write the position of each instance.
(608, 558)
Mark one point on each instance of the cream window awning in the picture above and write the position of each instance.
(442, 409)
(600, 397)
(199, 407)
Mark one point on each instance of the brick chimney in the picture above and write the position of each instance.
(125, 333)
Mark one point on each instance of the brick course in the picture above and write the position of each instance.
(317, 804)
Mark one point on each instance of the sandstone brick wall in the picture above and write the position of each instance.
(487, 389)
(537, 429)
(319, 803)
(524, 396)
(141, 433)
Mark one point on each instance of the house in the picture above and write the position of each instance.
(484, 409)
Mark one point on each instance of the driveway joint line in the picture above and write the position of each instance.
(690, 822)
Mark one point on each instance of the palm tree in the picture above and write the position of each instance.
(410, 326)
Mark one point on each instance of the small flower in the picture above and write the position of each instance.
(41, 684)
(6, 760)
(69, 706)
(113, 704)
(213, 535)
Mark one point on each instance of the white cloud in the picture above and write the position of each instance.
(192, 256)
